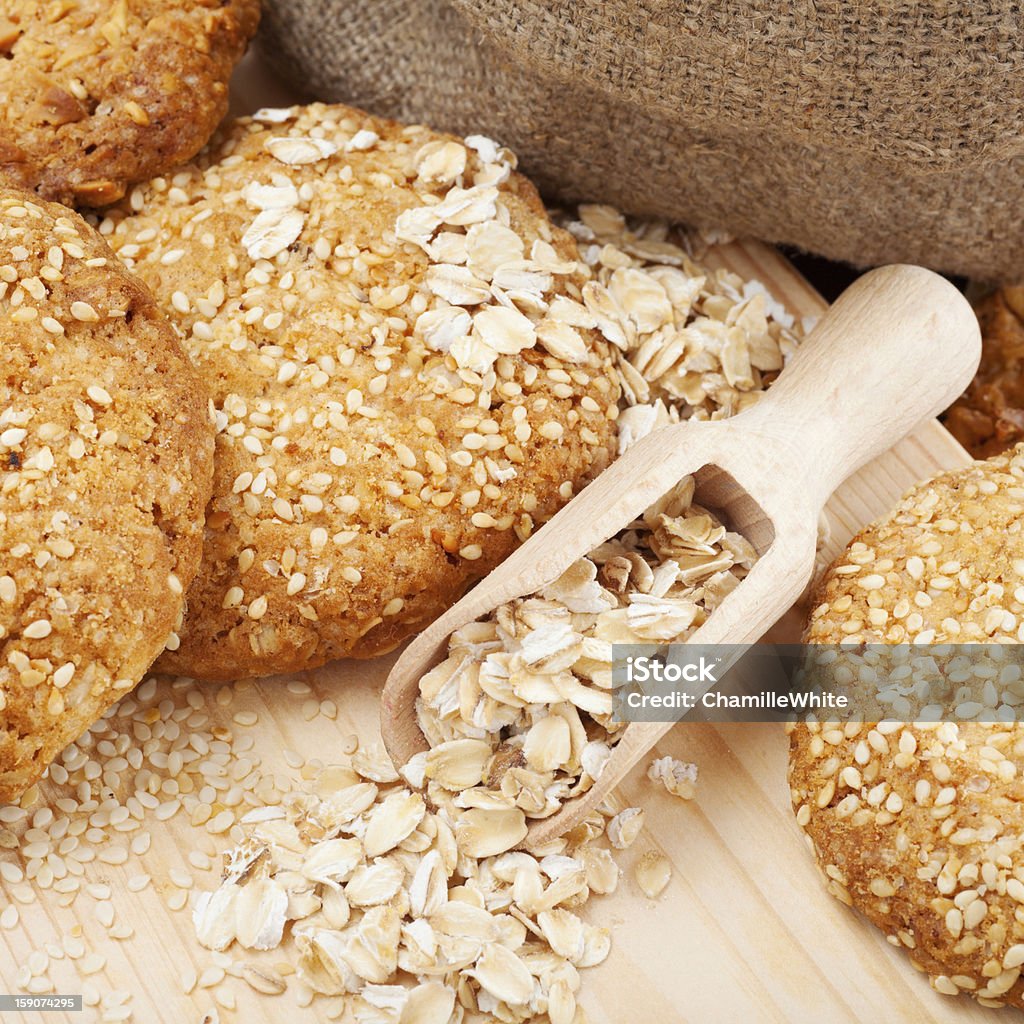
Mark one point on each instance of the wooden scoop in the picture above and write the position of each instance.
(896, 348)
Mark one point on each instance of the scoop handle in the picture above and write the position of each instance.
(896, 348)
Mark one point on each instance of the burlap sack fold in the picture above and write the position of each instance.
(865, 131)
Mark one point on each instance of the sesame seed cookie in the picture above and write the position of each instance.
(945, 566)
(106, 461)
(920, 825)
(406, 373)
(100, 93)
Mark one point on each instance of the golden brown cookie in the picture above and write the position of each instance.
(943, 567)
(988, 417)
(406, 379)
(97, 94)
(921, 826)
(106, 459)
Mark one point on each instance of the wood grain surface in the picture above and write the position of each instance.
(745, 931)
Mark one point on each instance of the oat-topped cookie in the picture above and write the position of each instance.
(106, 457)
(407, 375)
(96, 94)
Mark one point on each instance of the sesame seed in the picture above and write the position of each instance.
(165, 811)
(220, 823)
(136, 113)
(64, 675)
(92, 963)
(84, 312)
(211, 976)
(225, 997)
(182, 879)
(99, 395)
(176, 900)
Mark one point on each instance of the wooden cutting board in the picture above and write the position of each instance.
(744, 933)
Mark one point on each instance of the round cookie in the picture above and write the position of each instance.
(106, 461)
(988, 417)
(97, 94)
(943, 567)
(406, 380)
(920, 826)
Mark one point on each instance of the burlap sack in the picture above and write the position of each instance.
(865, 131)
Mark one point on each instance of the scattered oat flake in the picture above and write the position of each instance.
(277, 196)
(440, 162)
(296, 151)
(272, 232)
(653, 873)
(362, 140)
(625, 827)
(678, 777)
(503, 975)
(275, 115)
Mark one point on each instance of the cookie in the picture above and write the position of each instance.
(988, 417)
(106, 462)
(406, 373)
(943, 567)
(920, 825)
(97, 94)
